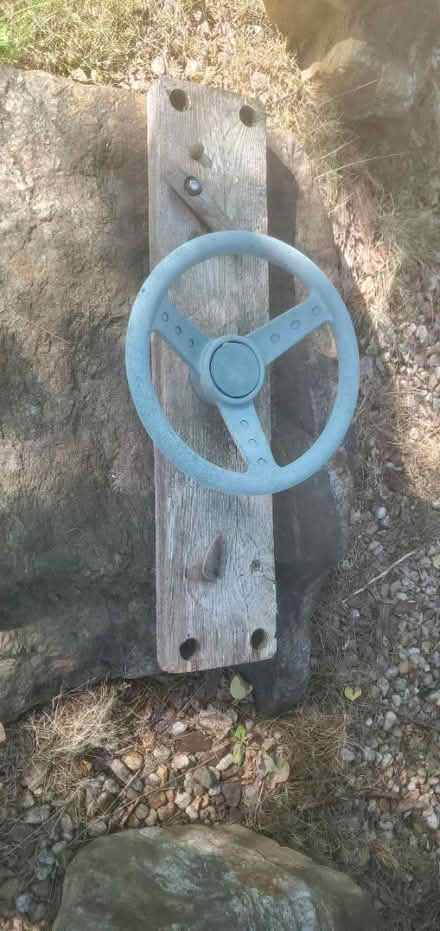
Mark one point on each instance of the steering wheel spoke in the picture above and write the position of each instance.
(244, 425)
(284, 331)
(185, 338)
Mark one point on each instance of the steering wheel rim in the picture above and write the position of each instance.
(148, 315)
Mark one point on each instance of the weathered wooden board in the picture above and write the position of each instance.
(216, 598)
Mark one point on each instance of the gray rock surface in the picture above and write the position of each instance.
(76, 506)
(199, 878)
(379, 54)
(76, 487)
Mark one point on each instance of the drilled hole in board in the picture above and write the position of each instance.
(189, 648)
(179, 100)
(248, 115)
(258, 638)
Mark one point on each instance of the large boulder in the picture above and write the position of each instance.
(204, 879)
(378, 55)
(76, 467)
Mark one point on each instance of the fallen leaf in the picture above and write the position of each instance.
(240, 732)
(352, 694)
(239, 688)
(2, 733)
(237, 755)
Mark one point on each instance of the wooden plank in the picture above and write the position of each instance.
(214, 553)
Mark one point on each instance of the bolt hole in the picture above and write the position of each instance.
(255, 565)
(258, 638)
(189, 647)
(179, 100)
(248, 115)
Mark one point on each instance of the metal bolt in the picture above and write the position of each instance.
(192, 186)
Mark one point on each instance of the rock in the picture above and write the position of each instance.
(203, 777)
(37, 815)
(166, 811)
(221, 877)
(390, 720)
(161, 753)
(432, 820)
(225, 763)
(232, 793)
(96, 828)
(142, 811)
(157, 800)
(24, 902)
(193, 743)
(133, 761)
(152, 819)
(348, 756)
(27, 800)
(120, 770)
(66, 824)
(180, 761)
(216, 723)
(192, 813)
(434, 698)
(179, 727)
(77, 525)
(182, 799)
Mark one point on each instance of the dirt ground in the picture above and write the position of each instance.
(353, 776)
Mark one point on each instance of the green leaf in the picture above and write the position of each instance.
(241, 733)
(4, 36)
(239, 688)
(237, 755)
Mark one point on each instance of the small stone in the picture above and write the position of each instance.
(47, 857)
(162, 772)
(192, 813)
(396, 700)
(232, 793)
(133, 761)
(179, 727)
(207, 813)
(110, 785)
(41, 871)
(225, 763)
(24, 902)
(37, 814)
(432, 820)
(384, 686)
(180, 761)
(66, 824)
(59, 847)
(435, 504)
(182, 800)
(381, 512)
(166, 811)
(348, 756)
(39, 913)
(170, 794)
(161, 753)
(421, 333)
(154, 779)
(434, 698)
(27, 799)
(131, 794)
(120, 770)
(436, 561)
(217, 790)
(157, 800)
(96, 828)
(142, 812)
(152, 819)
(204, 777)
(196, 802)
(390, 720)
(404, 667)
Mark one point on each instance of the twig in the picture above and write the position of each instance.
(359, 161)
(381, 574)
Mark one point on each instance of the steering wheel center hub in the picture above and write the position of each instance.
(235, 369)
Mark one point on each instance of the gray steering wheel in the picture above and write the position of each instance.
(229, 371)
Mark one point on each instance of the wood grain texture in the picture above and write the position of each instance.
(197, 527)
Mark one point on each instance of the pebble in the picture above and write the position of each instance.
(348, 756)
(157, 800)
(166, 811)
(179, 727)
(96, 828)
(120, 770)
(390, 720)
(161, 753)
(27, 800)
(133, 761)
(142, 811)
(204, 777)
(232, 793)
(37, 814)
(152, 819)
(216, 723)
(180, 761)
(381, 512)
(225, 763)
(24, 902)
(192, 813)
(183, 799)
(432, 820)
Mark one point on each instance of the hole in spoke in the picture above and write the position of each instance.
(248, 115)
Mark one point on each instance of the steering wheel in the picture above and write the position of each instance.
(229, 371)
